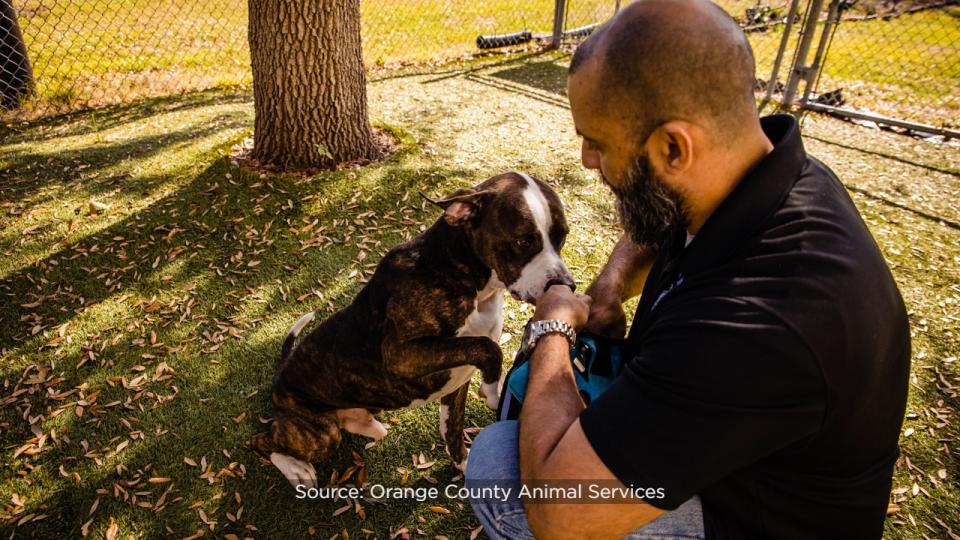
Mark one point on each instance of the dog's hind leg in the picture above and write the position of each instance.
(452, 413)
(361, 422)
(297, 472)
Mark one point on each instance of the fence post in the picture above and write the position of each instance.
(559, 7)
(17, 80)
(775, 74)
(813, 74)
(800, 67)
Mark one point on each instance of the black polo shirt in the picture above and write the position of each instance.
(770, 360)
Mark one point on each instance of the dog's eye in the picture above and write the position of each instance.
(524, 243)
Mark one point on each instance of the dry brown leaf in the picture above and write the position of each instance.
(112, 530)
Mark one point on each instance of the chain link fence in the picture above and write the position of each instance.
(893, 63)
(90, 53)
(893, 57)
(62, 55)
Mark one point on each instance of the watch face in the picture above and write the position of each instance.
(525, 340)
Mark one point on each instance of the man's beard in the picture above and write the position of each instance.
(649, 208)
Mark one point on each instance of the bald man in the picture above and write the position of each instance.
(769, 355)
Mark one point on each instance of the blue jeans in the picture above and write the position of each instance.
(494, 456)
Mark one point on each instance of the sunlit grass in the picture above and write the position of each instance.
(199, 267)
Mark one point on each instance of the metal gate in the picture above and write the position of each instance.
(897, 68)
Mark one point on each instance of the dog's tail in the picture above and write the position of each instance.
(293, 333)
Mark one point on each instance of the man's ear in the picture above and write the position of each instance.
(671, 147)
(460, 206)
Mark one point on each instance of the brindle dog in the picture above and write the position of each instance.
(430, 315)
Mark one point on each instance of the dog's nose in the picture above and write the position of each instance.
(561, 280)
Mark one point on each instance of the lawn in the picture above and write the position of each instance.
(138, 342)
(92, 53)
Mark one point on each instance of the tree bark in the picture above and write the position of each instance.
(16, 75)
(309, 85)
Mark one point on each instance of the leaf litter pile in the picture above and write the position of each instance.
(147, 281)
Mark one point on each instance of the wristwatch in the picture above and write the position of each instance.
(537, 329)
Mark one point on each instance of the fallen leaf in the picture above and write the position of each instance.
(112, 530)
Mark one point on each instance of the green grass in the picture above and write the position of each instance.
(164, 313)
(91, 53)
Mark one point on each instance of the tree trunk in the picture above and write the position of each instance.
(309, 85)
(16, 76)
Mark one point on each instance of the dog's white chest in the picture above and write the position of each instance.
(486, 318)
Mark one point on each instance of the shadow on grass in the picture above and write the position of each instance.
(548, 76)
(51, 169)
(921, 213)
(223, 219)
(136, 251)
(520, 90)
(199, 419)
(481, 66)
(91, 120)
(899, 159)
(200, 426)
(544, 81)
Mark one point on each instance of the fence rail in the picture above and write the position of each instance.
(893, 58)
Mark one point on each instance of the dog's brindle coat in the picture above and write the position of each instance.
(430, 315)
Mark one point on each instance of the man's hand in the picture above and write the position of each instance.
(607, 317)
(560, 303)
(621, 279)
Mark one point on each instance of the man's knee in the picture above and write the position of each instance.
(493, 475)
(493, 454)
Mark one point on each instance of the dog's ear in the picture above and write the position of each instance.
(460, 206)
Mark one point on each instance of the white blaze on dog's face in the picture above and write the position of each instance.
(518, 228)
(546, 267)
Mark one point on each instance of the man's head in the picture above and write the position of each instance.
(662, 96)
(517, 227)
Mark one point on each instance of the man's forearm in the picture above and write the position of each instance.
(551, 405)
(626, 270)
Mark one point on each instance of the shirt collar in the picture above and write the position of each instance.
(758, 194)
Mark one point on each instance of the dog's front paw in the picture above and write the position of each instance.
(491, 393)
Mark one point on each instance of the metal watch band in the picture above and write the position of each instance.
(539, 329)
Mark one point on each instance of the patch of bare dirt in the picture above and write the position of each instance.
(384, 142)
